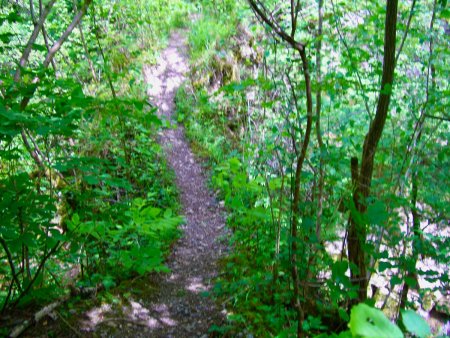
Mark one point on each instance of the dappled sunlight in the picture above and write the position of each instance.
(132, 312)
(196, 285)
(97, 315)
(164, 79)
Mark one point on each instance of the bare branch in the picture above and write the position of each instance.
(66, 34)
(441, 118)
(38, 26)
(57, 45)
(262, 13)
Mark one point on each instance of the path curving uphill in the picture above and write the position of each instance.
(193, 262)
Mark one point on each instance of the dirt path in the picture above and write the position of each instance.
(193, 262)
(173, 305)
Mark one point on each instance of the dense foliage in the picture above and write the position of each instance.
(326, 126)
(85, 194)
(326, 195)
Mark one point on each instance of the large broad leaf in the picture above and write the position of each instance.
(415, 324)
(368, 322)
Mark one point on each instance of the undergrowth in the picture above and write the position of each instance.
(100, 205)
(248, 124)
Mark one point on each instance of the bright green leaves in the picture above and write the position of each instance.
(134, 243)
(207, 34)
(415, 324)
(368, 322)
(340, 284)
(86, 155)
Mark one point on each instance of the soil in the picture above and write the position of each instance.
(174, 304)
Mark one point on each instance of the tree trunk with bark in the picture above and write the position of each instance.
(358, 231)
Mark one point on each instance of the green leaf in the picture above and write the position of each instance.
(377, 214)
(343, 314)
(75, 219)
(345, 334)
(108, 282)
(387, 89)
(395, 280)
(6, 37)
(168, 213)
(415, 324)
(91, 180)
(39, 47)
(445, 14)
(383, 265)
(339, 269)
(368, 322)
(14, 17)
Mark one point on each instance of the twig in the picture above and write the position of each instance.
(406, 31)
(26, 53)
(442, 118)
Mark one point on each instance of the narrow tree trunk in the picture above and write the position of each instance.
(357, 233)
(261, 13)
(45, 35)
(318, 131)
(416, 239)
(49, 57)
(296, 202)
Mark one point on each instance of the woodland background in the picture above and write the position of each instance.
(324, 125)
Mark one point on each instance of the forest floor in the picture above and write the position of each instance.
(175, 304)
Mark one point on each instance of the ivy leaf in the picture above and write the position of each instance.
(368, 322)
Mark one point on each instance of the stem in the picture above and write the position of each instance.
(408, 24)
(296, 201)
(38, 271)
(10, 261)
(86, 51)
(318, 131)
(414, 178)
